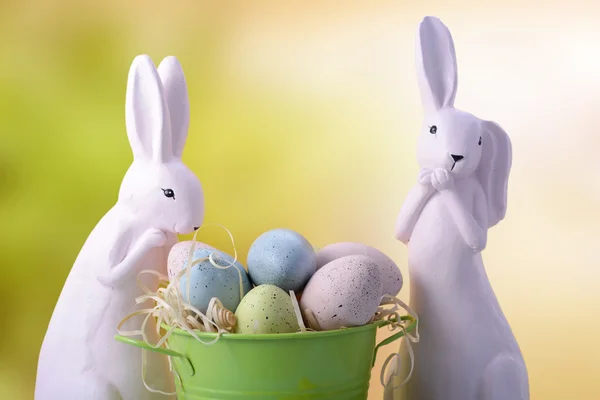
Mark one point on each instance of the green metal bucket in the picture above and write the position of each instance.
(291, 366)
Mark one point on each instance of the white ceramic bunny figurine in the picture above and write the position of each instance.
(159, 198)
(467, 350)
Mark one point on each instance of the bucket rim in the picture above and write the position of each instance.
(277, 336)
(272, 337)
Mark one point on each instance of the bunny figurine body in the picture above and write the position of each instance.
(159, 198)
(467, 350)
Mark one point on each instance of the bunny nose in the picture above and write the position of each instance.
(196, 228)
(456, 158)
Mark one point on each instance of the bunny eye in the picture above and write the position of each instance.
(479, 141)
(433, 129)
(169, 193)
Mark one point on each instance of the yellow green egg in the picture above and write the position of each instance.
(266, 309)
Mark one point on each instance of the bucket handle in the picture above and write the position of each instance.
(396, 336)
(138, 343)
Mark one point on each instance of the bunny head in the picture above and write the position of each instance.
(158, 187)
(455, 140)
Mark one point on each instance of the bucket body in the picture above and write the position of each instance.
(310, 365)
(333, 365)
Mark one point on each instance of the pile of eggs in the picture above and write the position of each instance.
(338, 286)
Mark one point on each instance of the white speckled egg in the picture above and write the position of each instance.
(345, 292)
(178, 256)
(266, 309)
(208, 281)
(391, 276)
(283, 258)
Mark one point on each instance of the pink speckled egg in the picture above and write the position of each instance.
(179, 254)
(345, 292)
(390, 273)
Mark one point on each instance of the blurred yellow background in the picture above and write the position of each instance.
(305, 115)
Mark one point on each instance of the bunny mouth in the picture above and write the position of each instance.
(185, 230)
(453, 165)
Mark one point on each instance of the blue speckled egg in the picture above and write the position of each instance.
(208, 281)
(283, 258)
(178, 256)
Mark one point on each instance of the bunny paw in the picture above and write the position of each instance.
(106, 281)
(155, 238)
(441, 179)
(425, 177)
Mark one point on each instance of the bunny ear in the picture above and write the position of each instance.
(146, 113)
(493, 170)
(176, 95)
(436, 65)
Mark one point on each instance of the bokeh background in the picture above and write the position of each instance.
(305, 115)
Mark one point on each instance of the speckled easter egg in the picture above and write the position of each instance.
(266, 309)
(207, 281)
(283, 258)
(345, 292)
(179, 254)
(391, 276)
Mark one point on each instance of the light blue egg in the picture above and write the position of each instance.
(208, 281)
(283, 258)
